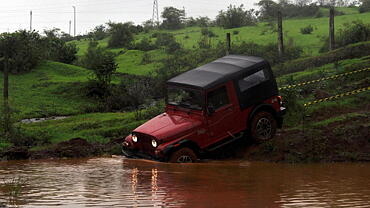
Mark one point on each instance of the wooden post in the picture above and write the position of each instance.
(331, 30)
(6, 98)
(228, 43)
(280, 35)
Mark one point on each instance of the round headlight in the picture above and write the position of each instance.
(134, 138)
(154, 143)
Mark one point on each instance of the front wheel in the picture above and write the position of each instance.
(263, 126)
(183, 155)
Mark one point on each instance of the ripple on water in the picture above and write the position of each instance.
(119, 182)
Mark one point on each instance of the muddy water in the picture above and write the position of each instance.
(119, 182)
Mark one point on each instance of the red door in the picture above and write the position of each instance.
(222, 115)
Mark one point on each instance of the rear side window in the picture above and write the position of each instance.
(218, 98)
(252, 80)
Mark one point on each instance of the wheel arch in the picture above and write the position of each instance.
(181, 144)
(261, 107)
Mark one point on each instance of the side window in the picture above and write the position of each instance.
(251, 80)
(218, 98)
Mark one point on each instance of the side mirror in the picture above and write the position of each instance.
(211, 110)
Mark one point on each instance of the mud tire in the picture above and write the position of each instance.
(183, 155)
(263, 127)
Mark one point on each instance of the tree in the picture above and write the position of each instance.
(268, 9)
(21, 50)
(57, 48)
(236, 17)
(173, 18)
(121, 35)
(102, 63)
(99, 32)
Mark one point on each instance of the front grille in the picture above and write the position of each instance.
(145, 143)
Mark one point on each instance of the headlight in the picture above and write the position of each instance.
(134, 138)
(154, 143)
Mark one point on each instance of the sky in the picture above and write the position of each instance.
(48, 14)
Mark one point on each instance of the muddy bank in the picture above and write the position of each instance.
(74, 148)
(346, 140)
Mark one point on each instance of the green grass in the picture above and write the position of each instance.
(95, 128)
(129, 62)
(50, 89)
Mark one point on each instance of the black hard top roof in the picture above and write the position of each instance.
(218, 71)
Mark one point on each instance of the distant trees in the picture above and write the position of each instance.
(236, 17)
(173, 18)
(121, 34)
(99, 32)
(301, 8)
(365, 6)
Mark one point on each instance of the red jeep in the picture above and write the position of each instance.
(209, 107)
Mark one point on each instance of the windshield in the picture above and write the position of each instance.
(186, 98)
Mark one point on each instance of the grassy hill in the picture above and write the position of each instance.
(130, 61)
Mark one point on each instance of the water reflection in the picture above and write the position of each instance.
(119, 182)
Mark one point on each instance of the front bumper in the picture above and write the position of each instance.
(130, 153)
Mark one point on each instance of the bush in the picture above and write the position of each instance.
(307, 30)
(22, 49)
(235, 32)
(102, 63)
(268, 52)
(347, 52)
(145, 44)
(350, 33)
(235, 17)
(164, 39)
(121, 35)
(365, 6)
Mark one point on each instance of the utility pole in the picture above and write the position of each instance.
(331, 29)
(74, 14)
(70, 23)
(155, 17)
(280, 35)
(31, 20)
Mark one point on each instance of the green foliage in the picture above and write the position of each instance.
(235, 17)
(365, 6)
(145, 44)
(102, 63)
(121, 35)
(168, 41)
(307, 30)
(173, 18)
(269, 51)
(350, 51)
(22, 50)
(199, 21)
(99, 32)
(269, 9)
(57, 49)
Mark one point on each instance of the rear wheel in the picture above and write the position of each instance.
(263, 126)
(183, 155)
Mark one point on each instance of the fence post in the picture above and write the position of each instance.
(6, 98)
(280, 35)
(228, 43)
(331, 29)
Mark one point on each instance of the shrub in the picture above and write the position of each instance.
(353, 32)
(57, 49)
(102, 63)
(235, 17)
(347, 52)
(365, 6)
(235, 32)
(121, 35)
(145, 44)
(164, 39)
(307, 30)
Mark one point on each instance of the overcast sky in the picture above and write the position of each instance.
(15, 14)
